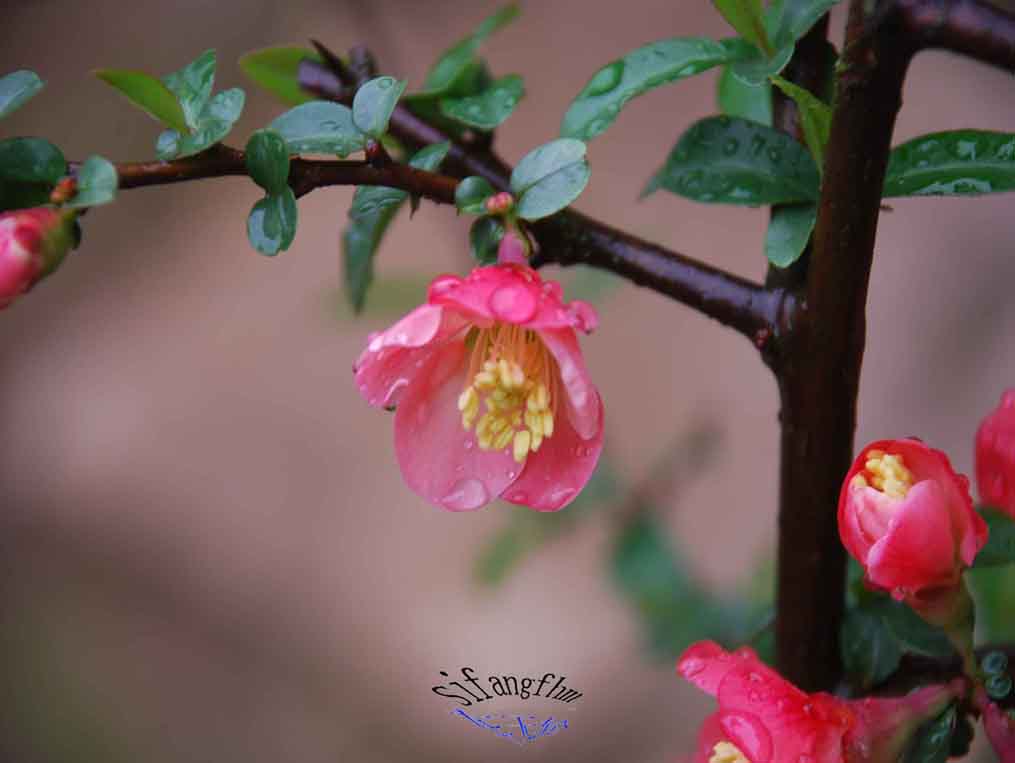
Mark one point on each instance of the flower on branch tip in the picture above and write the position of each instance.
(763, 718)
(491, 393)
(907, 517)
(995, 456)
(33, 243)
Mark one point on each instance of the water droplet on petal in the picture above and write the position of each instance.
(559, 497)
(393, 388)
(514, 303)
(748, 733)
(517, 496)
(691, 667)
(444, 284)
(605, 79)
(583, 316)
(466, 495)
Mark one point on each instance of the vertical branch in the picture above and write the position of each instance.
(820, 369)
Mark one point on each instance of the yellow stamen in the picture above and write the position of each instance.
(513, 378)
(726, 752)
(886, 472)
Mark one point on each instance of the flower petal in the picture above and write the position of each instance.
(555, 474)
(1000, 731)
(393, 357)
(583, 405)
(705, 664)
(439, 459)
(918, 550)
(710, 734)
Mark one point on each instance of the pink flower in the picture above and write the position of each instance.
(1000, 728)
(492, 395)
(907, 517)
(33, 242)
(763, 718)
(995, 456)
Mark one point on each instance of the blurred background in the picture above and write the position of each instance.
(208, 551)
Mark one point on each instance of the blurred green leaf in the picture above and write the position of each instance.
(747, 17)
(16, 89)
(373, 104)
(993, 589)
(815, 118)
(487, 109)
(952, 163)
(192, 86)
(912, 632)
(31, 160)
(931, 743)
(97, 183)
(1000, 547)
(484, 239)
(319, 127)
(373, 208)
(732, 161)
(271, 225)
(789, 20)
(754, 68)
(870, 652)
(471, 195)
(267, 160)
(788, 232)
(276, 70)
(737, 99)
(148, 93)
(214, 124)
(650, 66)
(549, 177)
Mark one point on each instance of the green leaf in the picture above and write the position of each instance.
(815, 118)
(454, 64)
(489, 108)
(910, 630)
(755, 68)
(737, 99)
(373, 208)
(148, 93)
(732, 161)
(471, 195)
(16, 89)
(192, 86)
(993, 590)
(792, 19)
(373, 104)
(1000, 547)
(484, 239)
(31, 160)
(268, 160)
(549, 178)
(319, 127)
(931, 743)
(747, 17)
(789, 230)
(953, 163)
(271, 225)
(640, 71)
(214, 124)
(276, 70)
(97, 183)
(870, 652)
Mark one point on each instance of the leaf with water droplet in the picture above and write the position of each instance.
(319, 127)
(640, 71)
(486, 110)
(737, 99)
(789, 230)
(97, 183)
(271, 225)
(373, 104)
(276, 70)
(789, 20)
(747, 17)
(755, 67)
(549, 177)
(766, 167)
(472, 193)
(16, 89)
(952, 163)
(192, 86)
(931, 742)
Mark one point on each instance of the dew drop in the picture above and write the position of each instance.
(691, 667)
(515, 304)
(730, 146)
(517, 497)
(384, 83)
(774, 154)
(512, 474)
(560, 497)
(466, 495)
(605, 80)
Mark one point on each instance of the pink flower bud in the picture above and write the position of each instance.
(500, 203)
(995, 456)
(512, 250)
(33, 243)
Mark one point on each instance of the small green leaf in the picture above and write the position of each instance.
(271, 225)
(870, 652)
(319, 127)
(484, 239)
(732, 161)
(268, 160)
(486, 110)
(993, 590)
(373, 104)
(953, 163)
(790, 20)
(192, 86)
(789, 230)
(737, 99)
(754, 69)
(97, 183)
(16, 88)
(747, 17)
(1000, 548)
(454, 64)
(276, 70)
(640, 71)
(931, 743)
(430, 158)
(549, 177)
(148, 93)
(910, 630)
(223, 107)
(471, 195)
(815, 118)
(31, 160)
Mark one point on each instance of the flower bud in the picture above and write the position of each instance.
(995, 456)
(33, 243)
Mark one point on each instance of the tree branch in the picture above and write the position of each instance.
(974, 28)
